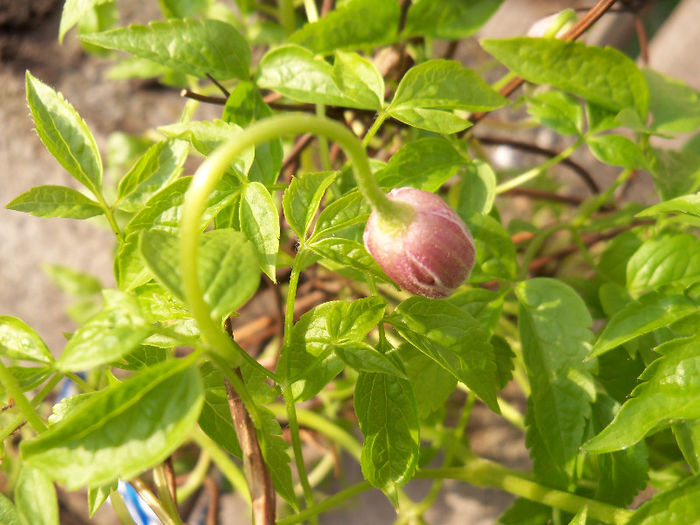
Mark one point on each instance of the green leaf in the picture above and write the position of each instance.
(581, 517)
(189, 46)
(143, 357)
(98, 495)
(350, 254)
(388, 420)
(687, 434)
(302, 198)
(650, 312)
(617, 150)
(484, 305)
(161, 164)
(340, 29)
(163, 211)
(35, 497)
(275, 453)
(65, 134)
(183, 8)
(207, 135)
(215, 419)
(129, 269)
(349, 210)
(425, 164)
(74, 11)
(677, 506)
(429, 89)
(364, 358)
(675, 107)
(477, 190)
(454, 340)
(55, 201)
(555, 334)
(495, 251)
(228, 271)
(431, 383)
(558, 111)
(309, 361)
(605, 77)
(8, 512)
(613, 261)
(73, 282)
(668, 259)
(19, 341)
(685, 205)
(117, 330)
(448, 19)
(675, 173)
(358, 79)
(28, 378)
(122, 430)
(623, 473)
(669, 392)
(261, 224)
(296, 73)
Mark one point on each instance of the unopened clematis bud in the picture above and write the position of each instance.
(431, 254)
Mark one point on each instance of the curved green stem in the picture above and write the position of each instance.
(196, 476)
(538, 170)
(372, 131)
(15, 392)
(326, 504)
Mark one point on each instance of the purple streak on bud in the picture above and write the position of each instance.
(432, 255)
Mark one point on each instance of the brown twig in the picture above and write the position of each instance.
(544, 195)
(326, 7)
(170, 478)
(219, 85)
(213, 510)
(299, 146)
(262, 491)
(580, 27)
(642, 37)
(220, 101)
(532, 148)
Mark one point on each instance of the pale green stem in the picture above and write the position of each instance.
(311, 11)
(319, 473)
(326, 504)
(485, 473)
(161, 482)
(372, 131)
(38, 398)
(227, 467)
(79, 381)
(324, 151)
(535, 246)
(15, 392)
(296, 445)
(594, 205)
(566, 16)
(320, 424)
(286, 15)
(538, 170)
(196, 476)
(154, 503)
(120, 508)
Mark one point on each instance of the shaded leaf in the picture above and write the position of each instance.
(190, 46)
(448, 19)
(55, 201)
(359, 79)
(431, 383)
(675, 107)
(261, 224)
(677, 506)
(74, 11)
(364, 358)
(665, 260)
(302, 198)
(35, 497)
(558, 111)
(349, 253)
(477, 190)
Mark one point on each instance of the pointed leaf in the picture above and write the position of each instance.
(228, 272)
(340, 29)
(675, 107)
(65, 134)
(215, 419)
(275, 453)
(388, 420)
(477, 190)
(359, 79)
(73, 282)
(555, 334)
(55, 201)
(74, 11)
(19, 341)
(453, 339)
(122, 430)
(670, 391)
(558, 111)
(665, 260)
(448, 19)
(605, 77)
(345, 253)
(302, 198)
(431, 383)
(650, 312)
(617, 150)
(261, 224)
(425, 164)
(687, 434)
(117, 330)
(190, 46)
(685, 204)
(349, 210)
(677, 506)
(364, 358)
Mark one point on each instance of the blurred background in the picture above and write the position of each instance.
(28, 40)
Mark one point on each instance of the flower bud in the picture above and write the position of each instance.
(432, 254)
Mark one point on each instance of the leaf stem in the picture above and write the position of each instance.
(538, 170)
(485, 473)
(326, 504)
(372, 131)
(15, 392)
(296, 446)
(286, 16)
(38, 398)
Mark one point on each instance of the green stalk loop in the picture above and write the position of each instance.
(210, 173)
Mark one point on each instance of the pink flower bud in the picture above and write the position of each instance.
(432, 255)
